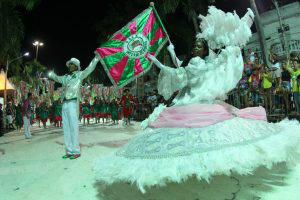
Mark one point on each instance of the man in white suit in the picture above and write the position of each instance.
(71, 94)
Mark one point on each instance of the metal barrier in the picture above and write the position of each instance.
(142, 111)
(278, 105)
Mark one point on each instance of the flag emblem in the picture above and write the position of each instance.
(136, 46)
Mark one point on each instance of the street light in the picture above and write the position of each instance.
(8, 62)
(37, 44)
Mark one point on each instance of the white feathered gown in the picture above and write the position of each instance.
(199, 136)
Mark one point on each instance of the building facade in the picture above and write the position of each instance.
(290, 14)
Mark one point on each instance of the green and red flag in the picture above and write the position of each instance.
(125, 55)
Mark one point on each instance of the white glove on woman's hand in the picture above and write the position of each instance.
(175, 60)
(171, 48)
(97, 56)
(157, 63)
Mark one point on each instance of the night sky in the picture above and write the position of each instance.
(67, 29)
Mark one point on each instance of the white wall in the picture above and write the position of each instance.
(291, 16)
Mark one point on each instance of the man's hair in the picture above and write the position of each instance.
(29, 94)
(294, 57)
(126, 90)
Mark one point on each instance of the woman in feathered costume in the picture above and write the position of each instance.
(200, 135)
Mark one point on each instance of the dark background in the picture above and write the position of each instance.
(67, 28)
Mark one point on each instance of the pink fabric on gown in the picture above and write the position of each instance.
(202, 115)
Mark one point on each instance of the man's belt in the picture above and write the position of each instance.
(67, 100)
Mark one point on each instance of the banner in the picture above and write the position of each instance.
(125, 55)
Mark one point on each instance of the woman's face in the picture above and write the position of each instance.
(295, 65)
(199, 49)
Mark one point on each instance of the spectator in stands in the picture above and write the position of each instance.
(254, 82)
(286, 87)
(248, 68)
(251, 55)
(243, 89)
(1, 120)
(276, 66)
(266, 77)
(293, 69)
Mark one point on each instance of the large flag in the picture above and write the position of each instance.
(125, 55)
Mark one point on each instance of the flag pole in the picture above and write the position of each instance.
(152, 5)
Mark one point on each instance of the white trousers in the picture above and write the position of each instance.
(71, 127)
(26, 127)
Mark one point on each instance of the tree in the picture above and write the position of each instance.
(120, 13)
(29, 74)
(186, 22)
(188, 7)
(12, 28)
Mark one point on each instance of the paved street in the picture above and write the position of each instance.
(35, 171)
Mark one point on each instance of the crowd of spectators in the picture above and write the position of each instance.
(146, 104)
(276, 87)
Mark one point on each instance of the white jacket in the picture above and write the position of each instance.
(72, 82)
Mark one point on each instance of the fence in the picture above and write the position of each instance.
(279, 105)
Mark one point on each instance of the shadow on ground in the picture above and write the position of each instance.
(234, 187)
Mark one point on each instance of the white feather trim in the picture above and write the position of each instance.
(242, 159)
(225, 29)
(153, 116)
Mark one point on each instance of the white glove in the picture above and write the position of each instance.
(157, 63)
(171, 48)
(175, 60)
(97, 56)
